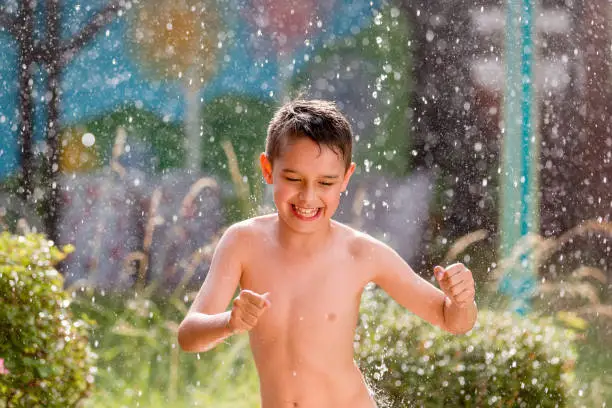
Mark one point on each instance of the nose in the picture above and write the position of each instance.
(307, 194)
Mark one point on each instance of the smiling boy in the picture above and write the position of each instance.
(301, 274)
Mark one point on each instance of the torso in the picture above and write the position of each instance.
(303, 344)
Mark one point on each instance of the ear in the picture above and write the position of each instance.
(266, 168)
(347, 176)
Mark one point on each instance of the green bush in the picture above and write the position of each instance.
(505, 361)
(46, 355)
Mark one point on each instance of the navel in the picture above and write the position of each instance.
(330, 316)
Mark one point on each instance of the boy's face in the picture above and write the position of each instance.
(308, 181)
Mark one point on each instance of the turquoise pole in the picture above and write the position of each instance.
(520, 156)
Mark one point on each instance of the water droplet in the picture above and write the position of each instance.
(88, 139)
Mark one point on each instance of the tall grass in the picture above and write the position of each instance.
(140, 363)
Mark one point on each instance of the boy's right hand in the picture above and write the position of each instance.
(246, 310)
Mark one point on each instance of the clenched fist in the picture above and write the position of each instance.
(246, 310)
(457, 283)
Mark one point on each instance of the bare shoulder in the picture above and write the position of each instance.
(256, 225)
(248, 232)
(361, 245)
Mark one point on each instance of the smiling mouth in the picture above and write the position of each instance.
(306, 213)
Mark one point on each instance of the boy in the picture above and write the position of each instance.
(301, 274)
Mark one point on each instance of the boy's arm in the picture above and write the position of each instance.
(454, 310)
(207, 323)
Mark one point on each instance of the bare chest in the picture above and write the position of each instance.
(307, 292)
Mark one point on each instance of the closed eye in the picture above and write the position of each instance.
(291, 179)
(323, 183)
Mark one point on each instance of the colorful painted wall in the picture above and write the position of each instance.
(169, 70)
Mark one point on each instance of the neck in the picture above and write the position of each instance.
(302, 242)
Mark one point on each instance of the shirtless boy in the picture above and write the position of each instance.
(301, 274)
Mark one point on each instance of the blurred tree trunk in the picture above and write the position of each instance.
(22, 28)
(193, 139)
(595, 135)
(577, 157)
(53, 54)
(52, 64)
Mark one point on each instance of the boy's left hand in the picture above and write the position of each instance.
(457, 283)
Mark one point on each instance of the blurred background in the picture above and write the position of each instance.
(130, 131)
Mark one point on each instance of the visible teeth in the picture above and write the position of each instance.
(306, 212)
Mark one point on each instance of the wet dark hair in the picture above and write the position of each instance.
(319, 120)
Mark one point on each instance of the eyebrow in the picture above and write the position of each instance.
(297, 172)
